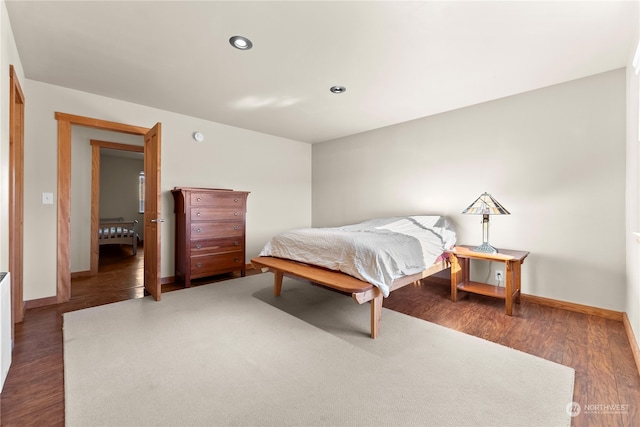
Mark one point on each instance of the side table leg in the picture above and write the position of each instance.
(459, 274)
(456, 274)
(516, 277)
(508, 294)
(455, 271)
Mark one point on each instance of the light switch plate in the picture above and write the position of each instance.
(47, 198)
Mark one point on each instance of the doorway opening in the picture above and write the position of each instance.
(115, 242)
(117, 208)
(151, 150)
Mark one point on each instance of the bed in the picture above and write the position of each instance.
(368, 260)
(117, 231)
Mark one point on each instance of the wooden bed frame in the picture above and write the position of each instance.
(360, 290)
(107, 237)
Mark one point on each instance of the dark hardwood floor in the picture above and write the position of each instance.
(607, 383)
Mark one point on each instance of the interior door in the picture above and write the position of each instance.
(152, 218)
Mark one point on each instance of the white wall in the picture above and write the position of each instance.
(6, 37)
(277, 172)
(119, 177)
(632, 296)
(554, 157)
(8, 56)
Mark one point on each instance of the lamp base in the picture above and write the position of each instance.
(486, 248)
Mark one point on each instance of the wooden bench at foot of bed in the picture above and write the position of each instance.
(360, 290)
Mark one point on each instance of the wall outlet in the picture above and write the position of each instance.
(499, 275)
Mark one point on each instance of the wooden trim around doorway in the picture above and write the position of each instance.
(16, 197)
(65, 122)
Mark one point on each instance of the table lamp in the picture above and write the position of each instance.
(485, 205)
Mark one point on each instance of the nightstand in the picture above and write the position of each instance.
(461, 257)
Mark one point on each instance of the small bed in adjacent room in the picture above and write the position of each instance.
(367, 260)
(117, 231)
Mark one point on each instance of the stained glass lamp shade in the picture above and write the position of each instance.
(485, 205)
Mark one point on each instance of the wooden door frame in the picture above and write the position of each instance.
(16, 197)
(65, 122)
(96, 145)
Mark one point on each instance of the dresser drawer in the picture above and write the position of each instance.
(209, 230)
(202, 266)
(216, 213)
(220, 199)
(216, 246)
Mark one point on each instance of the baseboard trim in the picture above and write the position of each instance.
(578, 308)
(632, 340)
(81, 274)
(40, 302)
(564, 305)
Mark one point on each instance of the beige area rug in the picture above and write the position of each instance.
(232, 354)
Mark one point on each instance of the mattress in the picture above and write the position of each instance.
(377, 251)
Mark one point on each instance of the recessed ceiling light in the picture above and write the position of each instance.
(241, 43)
(338, 89)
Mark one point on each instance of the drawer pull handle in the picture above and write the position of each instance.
(198, 214)
(199, 199)
(198, 246)
(236, 260)
(235, 213)
(236, 243)
(198, 230)
(198, 265)
(235, 200)
(235, 227)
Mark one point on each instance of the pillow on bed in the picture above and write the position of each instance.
(416, 225)
(441, 226)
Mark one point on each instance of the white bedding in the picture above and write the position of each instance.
(377, 251)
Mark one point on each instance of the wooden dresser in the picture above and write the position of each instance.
(210, 232)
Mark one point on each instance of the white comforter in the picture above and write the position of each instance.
(377, 251)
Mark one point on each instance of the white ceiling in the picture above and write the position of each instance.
(398, 60)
